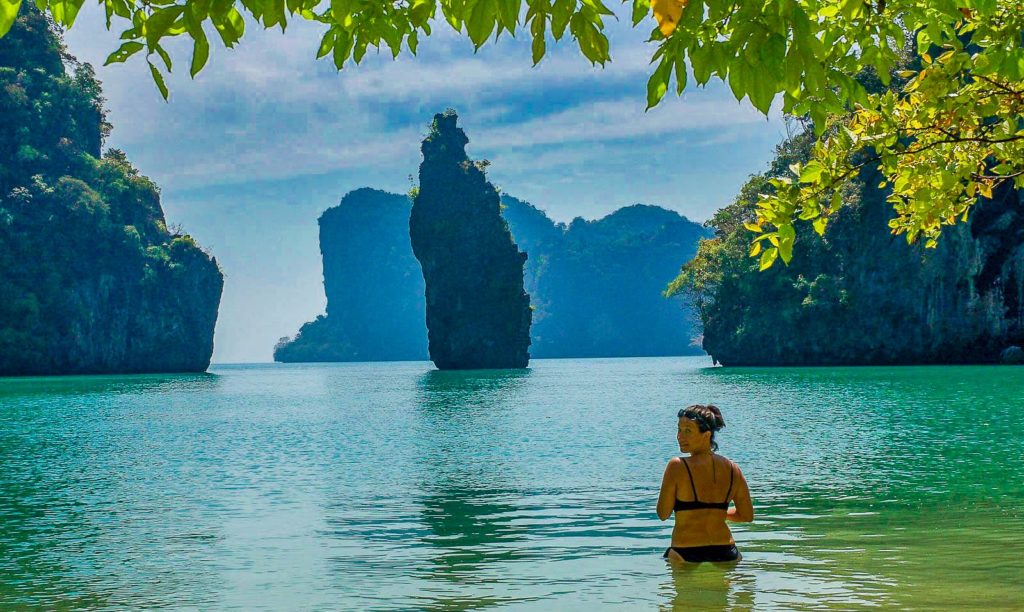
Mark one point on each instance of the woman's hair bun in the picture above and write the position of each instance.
(708, 416)
(719, 421)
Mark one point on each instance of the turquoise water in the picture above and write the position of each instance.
(394, 486)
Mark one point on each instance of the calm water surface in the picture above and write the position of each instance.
(394, 486)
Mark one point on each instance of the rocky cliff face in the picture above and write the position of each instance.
(375, 305)
(862, 295)
(91, 280)
(598, 286)
(478, 315)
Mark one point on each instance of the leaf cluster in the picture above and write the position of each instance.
(944, 121)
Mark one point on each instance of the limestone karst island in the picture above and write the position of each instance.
(478, 315)
(508, 304)
(91, 279)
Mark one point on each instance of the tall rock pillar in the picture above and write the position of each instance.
(478, 315)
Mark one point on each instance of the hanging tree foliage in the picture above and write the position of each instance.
(952, 133)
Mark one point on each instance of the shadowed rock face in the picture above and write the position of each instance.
(478, 314)
(862, 296)
(373, 283)
(91, 279)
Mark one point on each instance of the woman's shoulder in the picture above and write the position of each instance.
(674, 464)
(727, 461)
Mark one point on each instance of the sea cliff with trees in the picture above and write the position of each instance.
(91, 278)
(859, 294)
(595, 285)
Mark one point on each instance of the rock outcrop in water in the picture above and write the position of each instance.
(91, 280)
(595, 285)
(374, 286)
(478, 314)
(861, 295)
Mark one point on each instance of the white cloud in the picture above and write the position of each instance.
(619, 119)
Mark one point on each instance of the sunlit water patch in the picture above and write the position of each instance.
(395, 486)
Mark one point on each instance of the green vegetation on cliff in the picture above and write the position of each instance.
(597, 284)
(859, 294)
(91, 280)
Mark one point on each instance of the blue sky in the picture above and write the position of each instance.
(250, 153)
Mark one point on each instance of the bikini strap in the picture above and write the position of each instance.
(690, 474)
(732, 474)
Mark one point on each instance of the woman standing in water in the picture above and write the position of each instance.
(699, 488)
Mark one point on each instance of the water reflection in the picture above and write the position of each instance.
(22, 389)
(468, 501)
(706, 586)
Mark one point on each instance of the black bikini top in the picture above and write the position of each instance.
(696, 504)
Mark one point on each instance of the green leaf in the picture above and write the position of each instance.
(359, 45)
(561, 12)
(198, 10)
(700, 60)
(836, 201)
(737, 79)
(793, 72)
(274, 14)
(65, 11)
(598, 7)
(810, 211)
(592, 42)
(163, 55)
(481, 20)
(326, 44)
(538, 48)
(123, 52)
(230, 26)
(160, 21)
(419, 13)
(657, 85)
(8, 13)
(768, 257)
(819, 225)
(787, 236)
(340, 9)
(343, 43)
(754, 227)
(811, 172)
(200, 52)
(508, 13)
(641, 8)
(680, 74)
(158, 79)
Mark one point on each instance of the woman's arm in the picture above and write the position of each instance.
(743, 508)
(667, 497)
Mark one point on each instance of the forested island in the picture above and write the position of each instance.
(595, 285)
(91, 278)
(859, 294)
